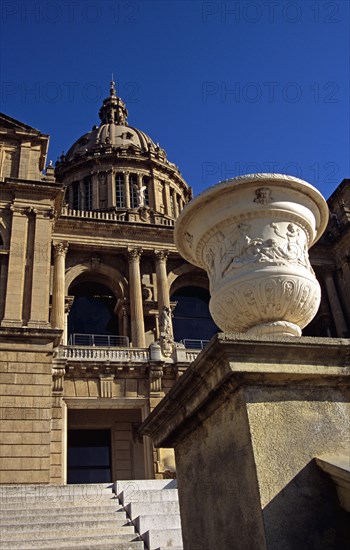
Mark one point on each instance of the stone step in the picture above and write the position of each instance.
(29, 511)
(17, 517)
(65, 522)
(131, 486)
(156, 538)
(165, 495)
(15, 502)
(147, 522)
(109, 543)
(72, 531)
(172, 548)
(135, 509)
(83, 488)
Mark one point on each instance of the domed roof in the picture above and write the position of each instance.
(113, 132)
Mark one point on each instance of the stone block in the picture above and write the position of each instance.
(266, 410)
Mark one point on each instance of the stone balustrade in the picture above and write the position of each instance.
(98, 354)
(114, 216)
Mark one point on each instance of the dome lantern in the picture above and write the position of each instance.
(113, 109)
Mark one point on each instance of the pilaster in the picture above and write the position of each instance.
(40, 291)
(16, 267)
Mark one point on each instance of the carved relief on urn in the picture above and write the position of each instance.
(252, 234)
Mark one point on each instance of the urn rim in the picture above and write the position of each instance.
(209, 195)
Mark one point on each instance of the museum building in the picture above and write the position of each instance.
(99, 314)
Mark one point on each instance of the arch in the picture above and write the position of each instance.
(105, 274)
(182, 270)
(99, 297)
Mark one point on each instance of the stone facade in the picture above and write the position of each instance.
(101, 224)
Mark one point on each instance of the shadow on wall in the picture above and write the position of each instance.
(306, 514)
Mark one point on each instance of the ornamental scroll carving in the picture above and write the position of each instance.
(58, 372)
(271, 299)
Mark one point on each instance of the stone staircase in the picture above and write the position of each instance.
(153, 507)
(65, 517)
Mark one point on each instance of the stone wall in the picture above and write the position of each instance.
(26, 412)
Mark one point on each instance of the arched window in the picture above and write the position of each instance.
(191, 315)
(119, 190)
(133, 190)
(92, 312)
(145, 183)
(87, 193)
(76, 195)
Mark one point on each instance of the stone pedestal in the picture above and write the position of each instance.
(247, 420)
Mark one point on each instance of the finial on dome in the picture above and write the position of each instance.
(112, 88)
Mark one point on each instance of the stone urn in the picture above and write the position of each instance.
(252, 234)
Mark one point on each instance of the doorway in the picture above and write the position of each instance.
(89, 456)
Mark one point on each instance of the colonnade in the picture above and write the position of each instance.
(115, 189)
(336, 289)
(135, 289)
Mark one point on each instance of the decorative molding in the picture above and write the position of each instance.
(106, 385)
(60, 249)
(155, 377)
(134, 254)
(161, 255)
(58, 372)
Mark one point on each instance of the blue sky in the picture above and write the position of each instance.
(226, 88)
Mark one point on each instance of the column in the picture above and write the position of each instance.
(40, 292)
(58, 287)
(136, 308)
(126, 189)
(16, 268)
(162, 279)
(337, 312)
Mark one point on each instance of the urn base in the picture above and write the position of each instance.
(275, 329)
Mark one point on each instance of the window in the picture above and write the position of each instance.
(145, 183)
(119, 190)
(76, 195)
(192, 319)
(133, 190)
(92, 311)
(87, 193)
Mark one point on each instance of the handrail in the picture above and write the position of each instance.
(194, 344)
(99, 340)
